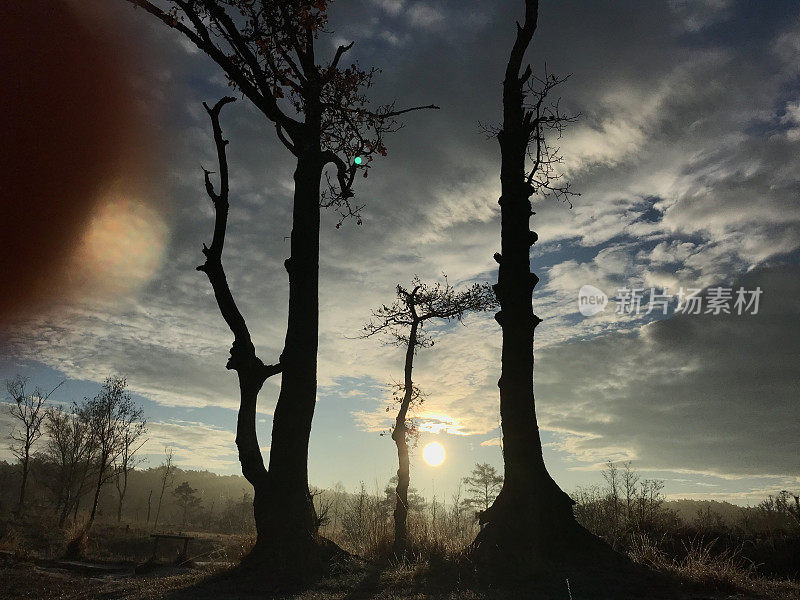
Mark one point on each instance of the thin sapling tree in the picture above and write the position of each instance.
(114, 422)
(402, 323)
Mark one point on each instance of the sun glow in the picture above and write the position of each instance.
(433, 454)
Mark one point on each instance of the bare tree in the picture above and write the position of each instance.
(111, 416)
(267, 50)
(483, 485)
(403, 323)
(29, 412)
(611, 475)
(531, 518)
(132, 428)
(167, 478)
(629, 481)
(69, 448)
(149, 505)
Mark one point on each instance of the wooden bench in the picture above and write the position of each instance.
(157, 537)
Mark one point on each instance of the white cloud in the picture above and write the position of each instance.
(422, 14)
(698, 394)
(393, 7)
(195, 445)
(699, 14)
(792, 118)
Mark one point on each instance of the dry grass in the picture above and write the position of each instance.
(705, 567)
(700, 577)
(436, 569)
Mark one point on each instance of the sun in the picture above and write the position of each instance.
(433, 454)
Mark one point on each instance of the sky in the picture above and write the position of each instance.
(685, 156)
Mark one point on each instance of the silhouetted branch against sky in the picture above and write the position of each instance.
(422, 302)
(267, 51)
(545, 123)
(243, 350)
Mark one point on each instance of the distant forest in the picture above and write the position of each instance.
(223, 503)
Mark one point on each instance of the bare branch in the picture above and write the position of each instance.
(243, 357)
(201, 36)
(396, 113)
(423, 303)
(339, 53)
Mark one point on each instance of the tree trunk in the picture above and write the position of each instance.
(121, 491)
(401, 491)
(399, 435)
(283, 507)
(531, 515)
(23, 484)
(158, 507)
(286, 522)
(96, 498)
(66, 504)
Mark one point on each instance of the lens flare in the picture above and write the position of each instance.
(122, 247)
(433, 454)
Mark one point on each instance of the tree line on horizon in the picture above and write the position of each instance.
(86, 445)
(627, 511)
(72, 452)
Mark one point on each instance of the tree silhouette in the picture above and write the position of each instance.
(28, 412)
(114, 422)
(127, 460)
(403, 323)
(166, 479)
(483, 485)
(531, 518)
(69, 448)
(187, 499)
(323, 117)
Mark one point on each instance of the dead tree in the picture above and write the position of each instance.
(29, 412)
(167, 479)
(531, 518)
(267, 50)
(402, 323)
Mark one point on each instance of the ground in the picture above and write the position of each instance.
(24, 579)
(32, 567)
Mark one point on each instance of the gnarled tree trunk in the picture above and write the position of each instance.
(286, 522)
(532, 517)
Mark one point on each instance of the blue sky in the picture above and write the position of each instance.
(685, 156)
